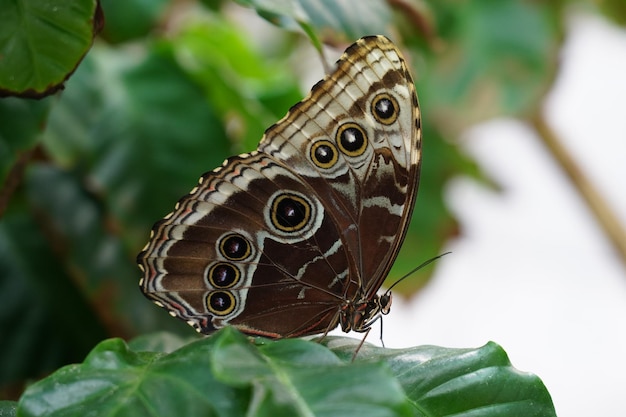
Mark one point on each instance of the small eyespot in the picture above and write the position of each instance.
(324, 154)
(220, 303)
(351, 139)
(234, 247)
(290, 212)
(385, 109)
(223, 275)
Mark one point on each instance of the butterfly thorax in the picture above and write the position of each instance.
(360, 315)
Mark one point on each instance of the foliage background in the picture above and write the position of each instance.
(168, 91)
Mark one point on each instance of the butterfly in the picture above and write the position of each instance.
(298, 236)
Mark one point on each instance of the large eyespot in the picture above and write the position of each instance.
(223, 275)
(235, 247)
(385, 108)
(351, 139)
(220, 303)
(324, 154)
(290, 212)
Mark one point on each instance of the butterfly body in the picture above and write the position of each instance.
(297, 237)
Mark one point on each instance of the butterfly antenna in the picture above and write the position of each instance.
(411, 272)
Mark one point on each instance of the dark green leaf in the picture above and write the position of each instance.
(32, 34)
(131, 19)
(21, 125)
(93, 256)
(44, 320)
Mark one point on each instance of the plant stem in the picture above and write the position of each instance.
(604, 215)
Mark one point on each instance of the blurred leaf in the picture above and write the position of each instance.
(496, 58)
(248, 92)
(227, 375)
(93, 256)
(131, 19)
(44, 320)
(31, 35)
(144, 140)
(22, 123)
(614, 10)
(8, 408)
(343, 20)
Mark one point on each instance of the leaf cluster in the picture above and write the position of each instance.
(227, 375)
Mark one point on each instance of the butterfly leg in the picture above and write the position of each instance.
(358, 348)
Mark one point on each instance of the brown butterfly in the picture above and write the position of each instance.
(299, 235)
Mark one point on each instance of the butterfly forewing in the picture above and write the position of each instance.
(279, 241)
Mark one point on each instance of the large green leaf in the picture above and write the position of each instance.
(32, 34)
(226, 375)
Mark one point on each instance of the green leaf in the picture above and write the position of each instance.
(227, 375)
(250, 92)
(116, 381)
(32, 34)
(296, 377)
(131, 19)
(460, 382)
(8, 408)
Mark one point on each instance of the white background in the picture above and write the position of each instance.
(531, 270)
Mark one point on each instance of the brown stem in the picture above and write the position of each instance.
(596, 203)
(14, 177)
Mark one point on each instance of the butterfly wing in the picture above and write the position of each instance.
(370, 190)
(275, 241)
